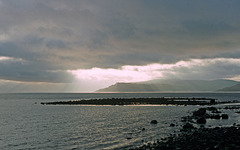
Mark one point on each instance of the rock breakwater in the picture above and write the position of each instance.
(140, 101)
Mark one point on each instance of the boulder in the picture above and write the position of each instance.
(224, 116)
(154, 122)
(212, 101)
(216, 117)
(201, 120)
(213, 110)
(200, 112)
(188, 126)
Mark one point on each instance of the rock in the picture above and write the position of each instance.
(154, 122)
(200, 112)
(212, 101)
(185, 119)
(224, 138)
(216, 112)
(201, 120)
(224, 116)
(188, 126)
(172, 125)
(215, 117)
(213, 110)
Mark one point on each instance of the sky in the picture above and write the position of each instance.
(84, 45)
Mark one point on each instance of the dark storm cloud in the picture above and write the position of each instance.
(54, 35)
(58, 44)
(20, 70)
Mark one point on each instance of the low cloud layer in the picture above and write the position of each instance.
(47, 38)
(195, 69)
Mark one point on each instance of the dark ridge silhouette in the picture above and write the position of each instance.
(170, 85)
(231, 88)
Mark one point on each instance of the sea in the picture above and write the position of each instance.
(25, 124)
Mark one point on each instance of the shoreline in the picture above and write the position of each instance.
(193, 138)
(218, 138)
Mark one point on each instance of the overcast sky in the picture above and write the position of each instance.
(83, 45)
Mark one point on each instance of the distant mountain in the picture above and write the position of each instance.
(170, 85)
(231, 88)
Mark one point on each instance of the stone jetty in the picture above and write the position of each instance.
(140, 101)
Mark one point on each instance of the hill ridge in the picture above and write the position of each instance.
(170, 85)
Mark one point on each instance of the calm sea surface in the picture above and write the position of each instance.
(26, 124)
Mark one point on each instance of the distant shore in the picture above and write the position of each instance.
(141, 101)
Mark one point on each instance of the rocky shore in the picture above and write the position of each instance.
(224, 138)
(202, 138)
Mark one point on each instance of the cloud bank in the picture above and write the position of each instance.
(193, 69)
(49, 41)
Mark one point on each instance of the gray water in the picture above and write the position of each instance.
(26, 124)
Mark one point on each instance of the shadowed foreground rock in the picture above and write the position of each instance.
(198, 139)
(192, 138)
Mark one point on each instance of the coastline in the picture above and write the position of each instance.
(218, 138)
(196, 138)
